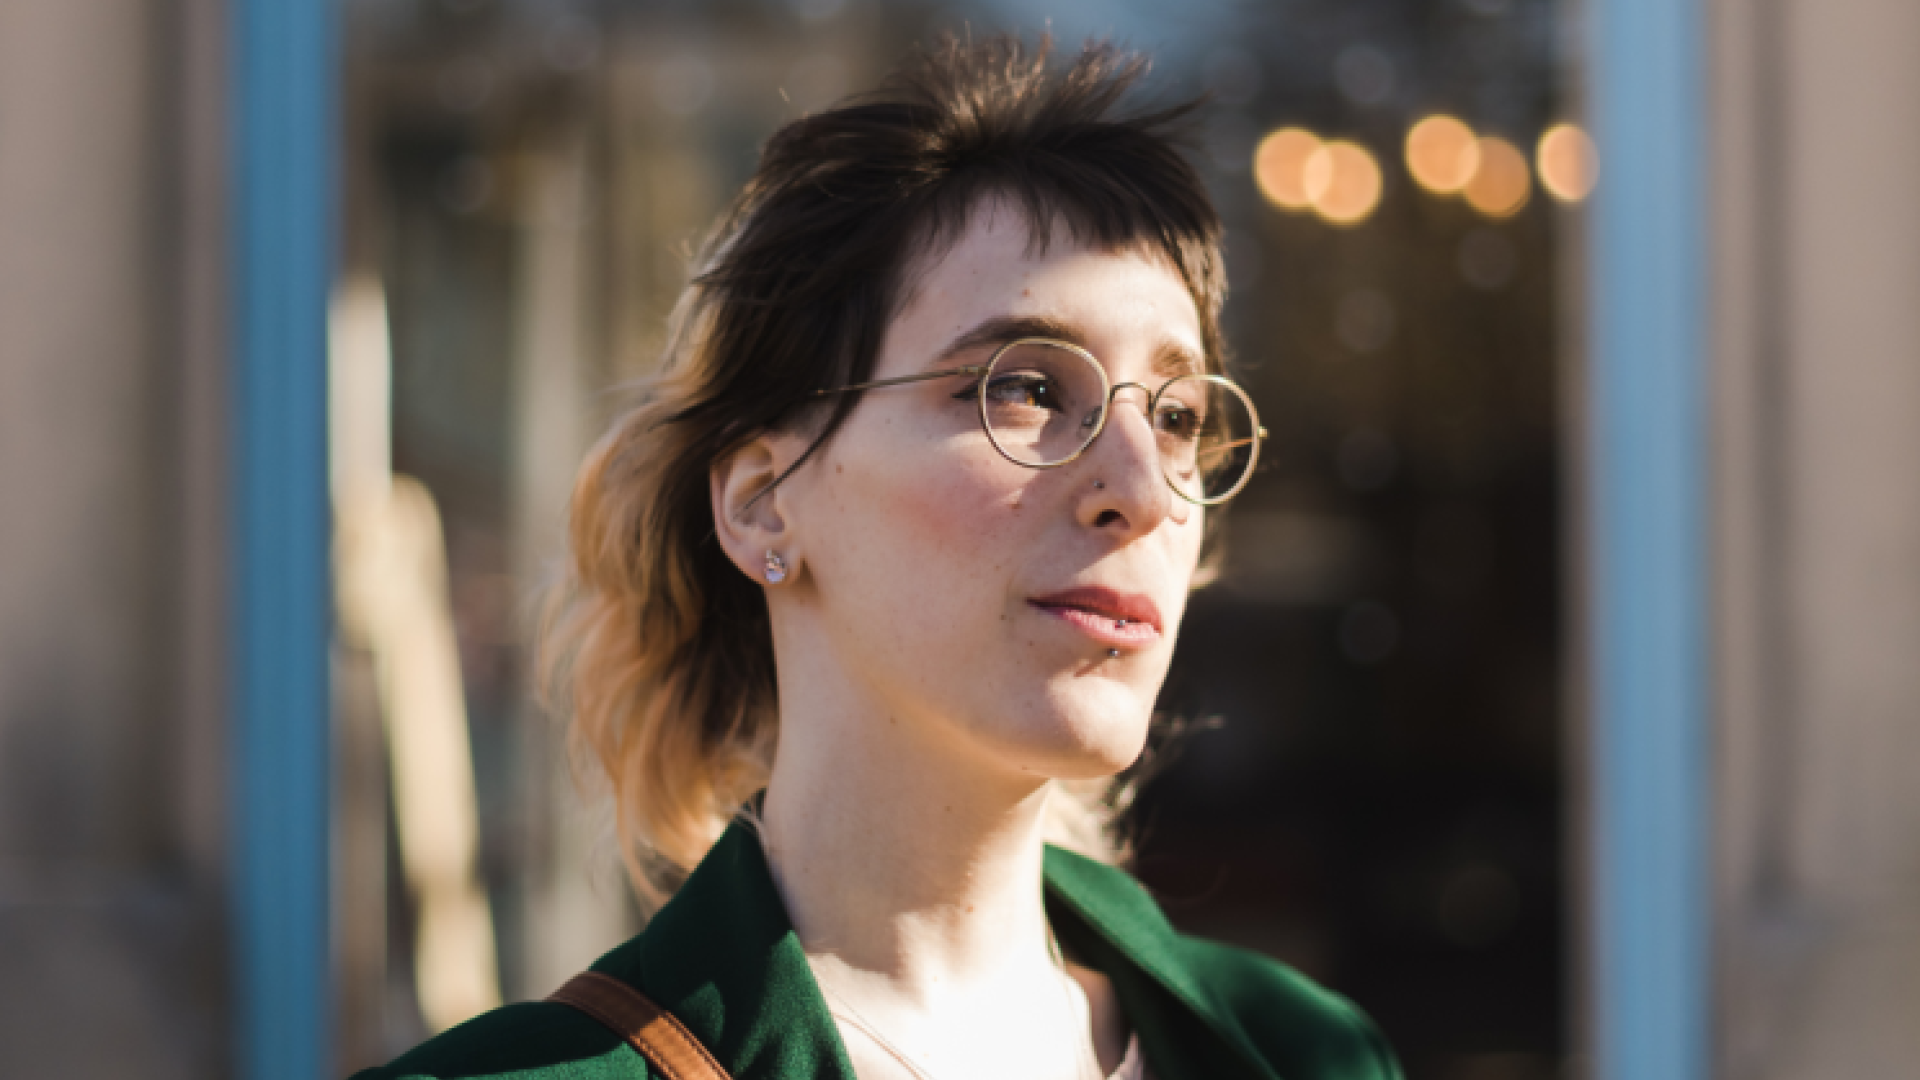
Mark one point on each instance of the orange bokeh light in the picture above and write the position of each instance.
(1442, 154)
(1502, 183)
(1280, 164)
(1342, 181)
(1568, 163)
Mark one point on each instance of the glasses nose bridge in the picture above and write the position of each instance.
(1146, 395)
(1113, 395)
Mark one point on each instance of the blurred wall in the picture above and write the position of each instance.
(1816, 166)
(110, 782)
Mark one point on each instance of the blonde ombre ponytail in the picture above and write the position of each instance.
(657, 649)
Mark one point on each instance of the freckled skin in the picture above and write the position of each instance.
(923, 546)
(925, 702)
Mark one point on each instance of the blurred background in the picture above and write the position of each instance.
(1391, 778)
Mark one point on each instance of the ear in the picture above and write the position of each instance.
(748, 519)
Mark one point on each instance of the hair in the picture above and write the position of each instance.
(656, 647)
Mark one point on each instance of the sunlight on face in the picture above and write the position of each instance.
(982, 599)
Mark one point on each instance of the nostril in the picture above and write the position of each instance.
(1107, 517)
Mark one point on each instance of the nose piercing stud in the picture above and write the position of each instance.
(776, 568)
(1099, 485)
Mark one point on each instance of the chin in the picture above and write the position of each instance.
(1091, 728)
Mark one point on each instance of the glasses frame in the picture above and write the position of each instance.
(1112, 390)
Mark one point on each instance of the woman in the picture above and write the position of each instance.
(894, 556)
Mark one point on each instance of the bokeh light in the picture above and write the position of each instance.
(1280, 167)
(1442, 154)
(1503, 181)
(1342, 181)
(1569, 165)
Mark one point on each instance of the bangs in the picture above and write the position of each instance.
(1087, 218)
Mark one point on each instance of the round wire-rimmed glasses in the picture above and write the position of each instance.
(1042, 403)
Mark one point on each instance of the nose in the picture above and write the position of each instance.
(1131, 496)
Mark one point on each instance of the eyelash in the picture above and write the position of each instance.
(971, 392)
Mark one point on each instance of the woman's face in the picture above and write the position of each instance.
(978, 600)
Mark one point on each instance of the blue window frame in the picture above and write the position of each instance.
(1647, 410)
(282, 145)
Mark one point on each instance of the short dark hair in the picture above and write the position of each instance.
(660, 648)
(810, 263)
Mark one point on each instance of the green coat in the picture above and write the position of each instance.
(722, 957)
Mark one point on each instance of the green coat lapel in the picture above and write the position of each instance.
(1107, 921)
(722, 956)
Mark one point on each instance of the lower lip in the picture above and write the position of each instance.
(1104, 629)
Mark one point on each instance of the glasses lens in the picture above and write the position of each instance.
(1209, 437)
(1042, 403)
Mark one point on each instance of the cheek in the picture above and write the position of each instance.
(961, 525)
(932, 512)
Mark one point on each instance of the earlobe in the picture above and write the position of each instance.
(776, 568)
(749, 517)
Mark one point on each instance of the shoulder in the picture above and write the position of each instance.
(1301, 1027)
(527, 1041)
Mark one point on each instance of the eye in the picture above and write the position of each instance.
(1018, 389)
(1177, 419)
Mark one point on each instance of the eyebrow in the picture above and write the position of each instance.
(1171, 359)
(1004, 328)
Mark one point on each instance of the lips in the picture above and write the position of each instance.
(1112, 618)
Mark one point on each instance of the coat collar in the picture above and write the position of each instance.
(1107, 920)
(723, 958)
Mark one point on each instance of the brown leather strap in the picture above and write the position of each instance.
(666, 1044)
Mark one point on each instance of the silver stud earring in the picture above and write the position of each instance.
(776, 568)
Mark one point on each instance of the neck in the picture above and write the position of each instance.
(898, 862)
(909, 860)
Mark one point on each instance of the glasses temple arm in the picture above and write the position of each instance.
(971, 369)
(1237, 443)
